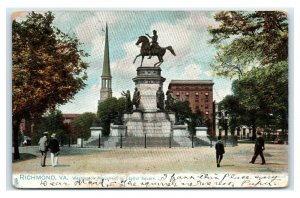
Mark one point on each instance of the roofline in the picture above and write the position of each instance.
(191, 82)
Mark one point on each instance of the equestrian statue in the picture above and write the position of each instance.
(152, 50)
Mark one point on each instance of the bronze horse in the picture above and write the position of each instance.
(145, 51)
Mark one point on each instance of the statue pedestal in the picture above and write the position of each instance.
(148, 81)
(148, 119)
(96, 131)
(180, 131)
(201, 131)
(117, 130)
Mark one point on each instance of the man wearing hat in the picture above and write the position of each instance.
(154, 43)
(259, 147)
(54, 149)
(43, 148)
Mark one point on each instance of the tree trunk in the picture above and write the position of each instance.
(16, 127)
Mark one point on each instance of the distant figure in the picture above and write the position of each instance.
(54, 149)
(219, 151)
(259, 147)
(43, 142)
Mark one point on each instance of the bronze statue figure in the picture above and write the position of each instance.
(154, 43)
(170, 101)
(160, 98)
(136, 98)
(152, 50)
(128, 103)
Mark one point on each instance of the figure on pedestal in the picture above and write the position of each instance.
(199, 122)
(160, 98)
(136, 98)
(152, 50)
(154, 43)
(169, 101)
(128, 103)
(179, 119)
(118, 119)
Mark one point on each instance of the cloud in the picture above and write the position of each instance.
(222, 88)
(85, 102)
(198, 20)
(192, 72)
(175, 35)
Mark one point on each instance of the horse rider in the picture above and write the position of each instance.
(154, 43)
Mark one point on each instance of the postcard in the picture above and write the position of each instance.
(150, 99)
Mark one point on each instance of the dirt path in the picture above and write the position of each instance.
(156, 160)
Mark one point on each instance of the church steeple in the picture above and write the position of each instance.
(106, 91)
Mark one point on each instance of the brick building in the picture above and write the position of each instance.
(199, 93)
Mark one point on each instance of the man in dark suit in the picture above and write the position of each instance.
(259, 147)
(219, 151)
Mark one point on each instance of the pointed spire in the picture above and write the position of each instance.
(106, 62)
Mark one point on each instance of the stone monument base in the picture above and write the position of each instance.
(153, 124)
(180, 131)
(96, 131)
(201, 131)
(117, 130)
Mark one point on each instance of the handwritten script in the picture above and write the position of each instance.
(166, 180)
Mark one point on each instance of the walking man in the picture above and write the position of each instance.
(43, 148)
(54, 149)
(219, 151)
(259, 147)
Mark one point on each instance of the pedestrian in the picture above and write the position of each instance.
(43, 142)
(259, 147)
(54, 149)
(219, 151)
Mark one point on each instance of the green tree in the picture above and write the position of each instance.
(264, 92)
(246, 40)
(80, 126)
(47, 68)
(52, 122)
(254, 46)
(111, 111)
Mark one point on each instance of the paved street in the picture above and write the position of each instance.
(156, 160)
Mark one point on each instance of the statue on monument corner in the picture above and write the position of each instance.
(128, 103)
(179, 119)
(199, 122)
(152, 50)
(169, 101)
(160, 98)
(136, 98)
(118, 119)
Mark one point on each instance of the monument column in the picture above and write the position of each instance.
(148, 81)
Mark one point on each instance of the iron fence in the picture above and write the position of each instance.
(148, 141)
